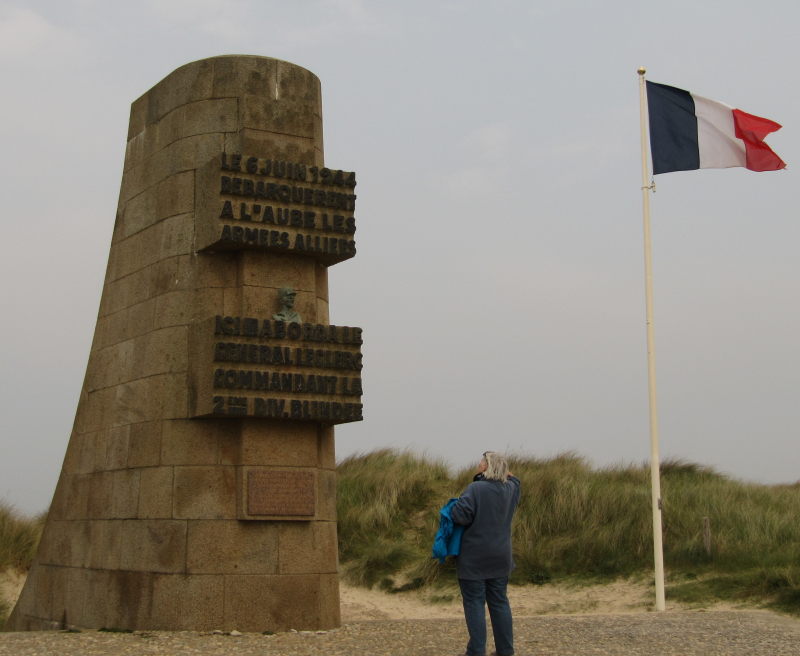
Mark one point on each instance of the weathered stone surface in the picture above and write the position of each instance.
(125, 494)
(174, 309)
(322, 311)
(329, 610)
(176, 143)
(326, 448)
(115, 453)
(277, 443)
(308, 548)
(144, 444)
(41, 591)
(101, 492)
(155, 493)
(129, 597)
(64, 543)
(185, 85)
(225, 547)
(248, 140)
(188, 602)
(205, 492)
(105, 544)
(144, 531)
(153, 545)
(125, 324)
(189, 442)
(277, 602)
(71, 497)
(80, 459)
(326, 495)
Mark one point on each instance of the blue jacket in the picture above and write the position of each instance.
(448, 538)
(486, 509)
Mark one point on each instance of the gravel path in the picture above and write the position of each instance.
(728, 633)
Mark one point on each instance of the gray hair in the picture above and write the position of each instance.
(496, 466)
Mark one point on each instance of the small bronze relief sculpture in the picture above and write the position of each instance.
(287, 313)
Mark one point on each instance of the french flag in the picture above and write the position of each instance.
(690, 132)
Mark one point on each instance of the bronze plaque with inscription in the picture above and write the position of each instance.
(259, 367)
(282, 493)
(261, 203)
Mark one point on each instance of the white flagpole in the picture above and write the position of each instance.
(655, 478)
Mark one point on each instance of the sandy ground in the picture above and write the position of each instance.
(619, 597)
(359, 604)
(11, 583)
(550, 620)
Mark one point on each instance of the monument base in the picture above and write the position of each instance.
(170, 602)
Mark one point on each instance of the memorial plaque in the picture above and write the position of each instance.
(262, 203)
(257, 367)
(280, 493)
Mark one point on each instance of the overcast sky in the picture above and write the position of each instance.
(499, 278)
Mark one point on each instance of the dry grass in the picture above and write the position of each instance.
(579, 523)
(575, 523)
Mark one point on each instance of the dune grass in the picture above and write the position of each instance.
(19, 537)
(581, 523)
(574, 522)
(387, 513)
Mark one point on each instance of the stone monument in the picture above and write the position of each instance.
(198, 487)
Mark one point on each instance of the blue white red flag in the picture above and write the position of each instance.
(690, 132)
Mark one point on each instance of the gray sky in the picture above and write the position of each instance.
(499, 279)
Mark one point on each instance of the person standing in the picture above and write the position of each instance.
(486, 509)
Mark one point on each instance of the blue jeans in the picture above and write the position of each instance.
(491, 592)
